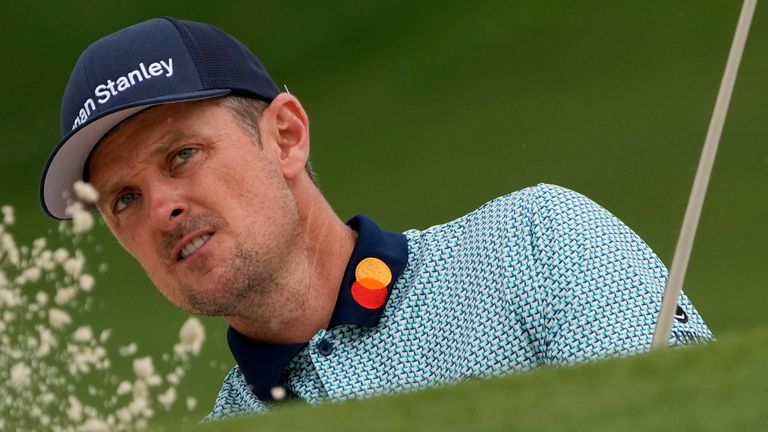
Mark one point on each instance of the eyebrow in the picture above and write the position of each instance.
(167, 142)
(162, 147)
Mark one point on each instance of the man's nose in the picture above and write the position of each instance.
(167, 207)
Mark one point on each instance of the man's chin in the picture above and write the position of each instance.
(210, 302)
(206, 307)
(225, 290)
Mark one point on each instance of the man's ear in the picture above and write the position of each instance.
(286, 124)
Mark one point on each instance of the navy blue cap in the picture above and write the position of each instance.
(159, 61)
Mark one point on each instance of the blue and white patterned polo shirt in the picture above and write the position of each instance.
(542, 276)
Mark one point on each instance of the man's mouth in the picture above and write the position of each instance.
(193, 245)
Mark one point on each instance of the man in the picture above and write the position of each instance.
(202, 166)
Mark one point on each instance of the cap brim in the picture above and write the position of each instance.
(66, 163)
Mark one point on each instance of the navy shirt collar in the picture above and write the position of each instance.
(378, 259)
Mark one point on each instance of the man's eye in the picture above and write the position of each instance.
(124, 200)
(182, 155)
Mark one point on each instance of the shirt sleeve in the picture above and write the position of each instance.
(235, 399)
(597, 285)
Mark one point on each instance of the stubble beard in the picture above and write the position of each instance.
(256, 285)
(243, 281)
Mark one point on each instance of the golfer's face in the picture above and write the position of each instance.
(189, 195)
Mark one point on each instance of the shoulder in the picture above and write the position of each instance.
(513, 212)
(518, 220)
(564, 213)
(235, 398)
(542, 196)
(560, 229)
(549, 199)
(540, 204)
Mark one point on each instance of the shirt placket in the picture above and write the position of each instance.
(323, 352)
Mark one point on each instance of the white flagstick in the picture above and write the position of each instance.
(700, 182)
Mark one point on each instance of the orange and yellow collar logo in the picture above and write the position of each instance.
(372, 276)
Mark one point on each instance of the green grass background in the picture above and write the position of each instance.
(422, 111)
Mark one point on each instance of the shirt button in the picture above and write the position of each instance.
(325, 347)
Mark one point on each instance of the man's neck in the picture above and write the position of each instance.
(307, 289)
